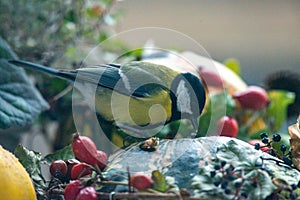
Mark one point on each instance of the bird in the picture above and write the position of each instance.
(136, 96)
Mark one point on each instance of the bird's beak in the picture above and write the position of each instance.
(195, 124)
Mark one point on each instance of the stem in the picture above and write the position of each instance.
(129, 181)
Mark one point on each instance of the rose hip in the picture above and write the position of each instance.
(84, 149)
(72, 190)
(141, 181)
(254, 98)
(80, 170)
(70, 163)
(87, 193)
(102, 159)
(58, 169)
(227, 126)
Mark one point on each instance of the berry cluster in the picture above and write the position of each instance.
(82, 174)
(73, 171)
(284, 191)
(231, 180)
(266, 146)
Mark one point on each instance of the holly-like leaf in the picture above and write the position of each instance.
(277, 110)
(160, 183)
(62, 154)
(256, 182)
(20, 102)
(31, 161)
(294, 131)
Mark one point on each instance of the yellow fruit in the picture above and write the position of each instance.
(15, 183)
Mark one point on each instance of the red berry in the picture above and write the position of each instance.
(70, 163)
(72, 190)
(102, 159)
(87, 193)
(141, 181)
(211, 78)
(84, 149)
(253, 142)
(254, 98)
(227, 126)
(58, 169)
(80, 170)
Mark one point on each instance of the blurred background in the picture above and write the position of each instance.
(264, 36)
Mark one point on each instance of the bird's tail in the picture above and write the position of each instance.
(47, 70)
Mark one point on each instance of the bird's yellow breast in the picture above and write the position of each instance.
(133, 111)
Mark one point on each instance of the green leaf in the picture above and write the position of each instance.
(220, 104)
(20, 102)
(5, 50)
(244, 160)
(160, 183)
(241, 157)
(277, 110)
(62, 154)
(31, 161)
(264, 187)
(234, 65)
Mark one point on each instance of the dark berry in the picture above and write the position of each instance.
(237, 184)
(231, 177)
(217, 167)
(257, 146)
(212, 173)
(264, 135)
(272, 152)
(293, 195)
(227, 191)
(231, 167)
(58, 169)
(224, 184)
(265, 140)
(287, 161)
(223, 163)
(217, 183)
(283, 148)
(276, 137)
(243, 194)
(294, 186)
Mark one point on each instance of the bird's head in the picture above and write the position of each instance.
(189, 97)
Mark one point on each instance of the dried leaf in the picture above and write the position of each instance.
(294, 131)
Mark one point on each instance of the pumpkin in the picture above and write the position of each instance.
(185, 161)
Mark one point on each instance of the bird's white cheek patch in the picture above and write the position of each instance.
(183, 98)
(125, 80)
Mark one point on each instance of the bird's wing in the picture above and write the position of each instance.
(139, 79)
(130, 80)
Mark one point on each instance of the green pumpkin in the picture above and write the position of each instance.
(188, 162)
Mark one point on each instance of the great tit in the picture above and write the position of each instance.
(137, 95)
